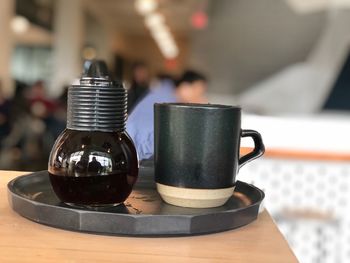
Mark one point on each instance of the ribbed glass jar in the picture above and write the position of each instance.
(94, 161)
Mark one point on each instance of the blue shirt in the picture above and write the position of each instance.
(140, 122)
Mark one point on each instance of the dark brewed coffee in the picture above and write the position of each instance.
(93, 169)
(93, 190)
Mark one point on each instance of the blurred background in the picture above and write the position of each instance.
(286, 62)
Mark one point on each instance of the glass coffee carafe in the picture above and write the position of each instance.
(94, 161)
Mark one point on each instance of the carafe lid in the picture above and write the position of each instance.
(97, 103)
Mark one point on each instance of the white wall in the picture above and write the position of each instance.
(248, 40)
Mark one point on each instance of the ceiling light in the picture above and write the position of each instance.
(19, 24)
(154, 20)
(166, 43)
(89, 53)
(145, 7)
(161, 34)
(170, 53)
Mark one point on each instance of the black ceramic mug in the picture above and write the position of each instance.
(196, 152)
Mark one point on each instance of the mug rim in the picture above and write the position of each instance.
(197, 105)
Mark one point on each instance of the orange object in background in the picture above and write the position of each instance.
(171, 64)
(295, 154)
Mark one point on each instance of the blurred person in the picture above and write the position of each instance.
(63, 98)
(60, 113)
(5, 108)
(23, 148)
(139, 84)
(33, 132)
(11, 152)
(47, 110)
(189, 88)
(20, 105)
(40, 105)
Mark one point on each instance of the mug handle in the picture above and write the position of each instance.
(259, 147)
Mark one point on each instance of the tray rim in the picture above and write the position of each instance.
(12, 194)
(10, 187)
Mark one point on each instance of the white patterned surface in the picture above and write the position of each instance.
(310, 202)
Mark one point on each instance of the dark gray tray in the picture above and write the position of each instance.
(144, 213)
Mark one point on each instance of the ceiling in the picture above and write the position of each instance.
(121, 15)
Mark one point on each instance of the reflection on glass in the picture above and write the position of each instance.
(94, 166)
(92, 163)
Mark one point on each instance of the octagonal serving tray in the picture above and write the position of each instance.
(142, 214)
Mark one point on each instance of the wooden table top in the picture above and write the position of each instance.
(22, 240)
